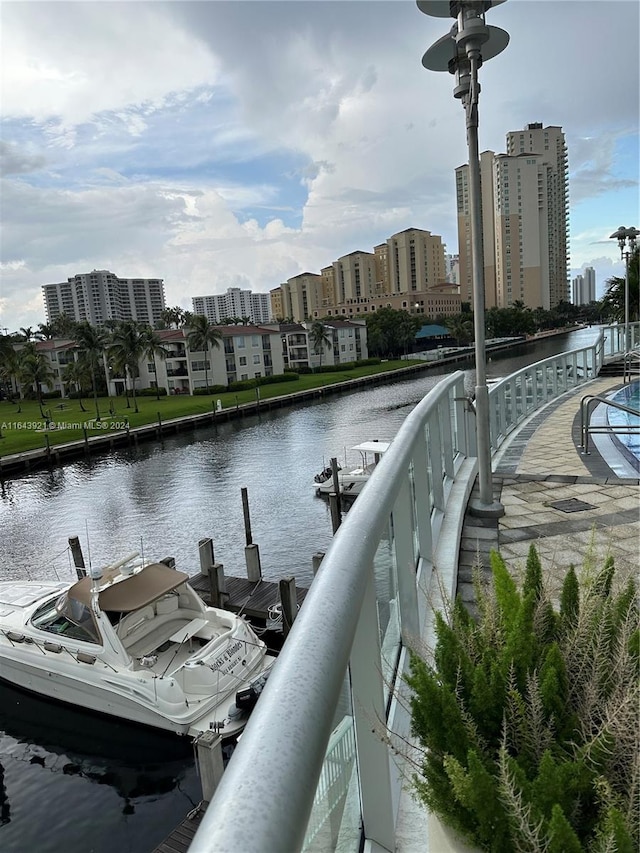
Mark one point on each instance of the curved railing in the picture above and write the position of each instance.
(314, 768)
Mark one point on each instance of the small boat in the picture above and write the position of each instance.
(133, 641)
(352, 481)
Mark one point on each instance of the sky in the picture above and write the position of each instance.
(237, 144)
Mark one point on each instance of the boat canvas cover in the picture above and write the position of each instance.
(127, 593)
(373, 446)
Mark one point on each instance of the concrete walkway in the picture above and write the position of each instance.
(572, 506)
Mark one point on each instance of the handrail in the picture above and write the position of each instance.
(586, 428)
(265, 798)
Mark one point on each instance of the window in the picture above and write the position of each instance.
(241, 343)
(243, 360)
(256, 359)
(255, 340)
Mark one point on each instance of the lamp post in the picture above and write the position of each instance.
(626, 238)
(461, 52)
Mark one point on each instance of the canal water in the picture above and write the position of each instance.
(69, 782)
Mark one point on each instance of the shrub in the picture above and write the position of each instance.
(247, 384)
(212, 389)
(151, 392)
(529, 715)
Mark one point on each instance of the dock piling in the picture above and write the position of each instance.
(252, 559)
(334, 507)
(289, 601)
(78, 557)
(316, 560)
(247, 518)
(209, 760)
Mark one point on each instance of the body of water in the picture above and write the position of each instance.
(79, 788)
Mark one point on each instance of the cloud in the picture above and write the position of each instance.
(14, 161)
(211, 143)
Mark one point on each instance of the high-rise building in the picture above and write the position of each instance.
(416, 261)
(235, 303)
(584, 287)
(298, 298)
(524, 199)
(100, 295)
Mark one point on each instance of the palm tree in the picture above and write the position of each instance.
(201, 334)
(126, 348)
(34, 370)
(460, 329)
(320, 338)
(153, 347)
(91, 345)
(77, 373)
(8, 364)
(27, 333)
(174, 317)
(614, 297)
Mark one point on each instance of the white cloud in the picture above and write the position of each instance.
(213, 143)
(73, 60)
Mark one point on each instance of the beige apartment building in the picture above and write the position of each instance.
(408, 272)
(415, 261)
(297, 298)
(524, 200)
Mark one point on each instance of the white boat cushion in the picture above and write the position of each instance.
(167, 605)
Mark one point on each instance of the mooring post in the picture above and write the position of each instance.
(247, 517)
(46, 438)
(252, 559)
(212, 570)
(334, 507)
(159, 424)
(78, 558)
(209, 760)
(217, 585)
(316, 560)
(289, 601)
(336, 481)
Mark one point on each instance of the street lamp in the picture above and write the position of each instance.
(461, 52)
(626, 238)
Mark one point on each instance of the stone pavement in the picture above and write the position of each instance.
(571, 506)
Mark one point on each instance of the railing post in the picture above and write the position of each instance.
(422, 499)
(369, 718)
(406, 563)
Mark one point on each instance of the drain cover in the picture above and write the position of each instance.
(571, 505)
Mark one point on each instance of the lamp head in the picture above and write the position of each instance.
(452, 8)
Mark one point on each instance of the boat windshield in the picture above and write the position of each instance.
(67, 617)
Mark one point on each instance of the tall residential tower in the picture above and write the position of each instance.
(100, 295)
(524, 196)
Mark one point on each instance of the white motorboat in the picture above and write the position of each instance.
(352, 481)
(134, 641)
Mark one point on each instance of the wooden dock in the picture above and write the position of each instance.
(252, 598)
(181, 837)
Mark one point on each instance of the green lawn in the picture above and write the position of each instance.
(23, 428)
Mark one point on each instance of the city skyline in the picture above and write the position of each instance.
(281, 136)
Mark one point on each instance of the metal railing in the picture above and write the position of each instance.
(293, 783)
(587, 407)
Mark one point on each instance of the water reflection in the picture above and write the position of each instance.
(134, 761)
(164, 498)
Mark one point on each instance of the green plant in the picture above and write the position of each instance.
(528, 715)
